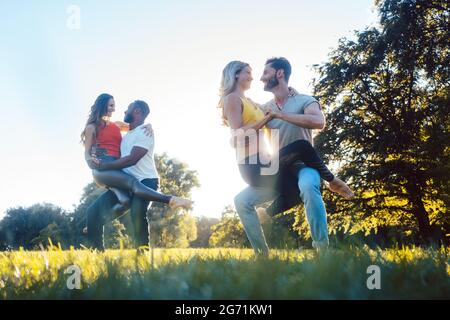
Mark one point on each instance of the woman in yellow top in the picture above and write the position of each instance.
(242, 114)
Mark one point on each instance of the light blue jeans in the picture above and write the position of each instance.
(309, 185)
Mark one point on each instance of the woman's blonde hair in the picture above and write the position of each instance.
(229, 81)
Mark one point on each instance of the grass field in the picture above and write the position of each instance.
(405, 273)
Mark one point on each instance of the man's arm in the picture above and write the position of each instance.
(313, 118)
(123, 126)
(136, 154)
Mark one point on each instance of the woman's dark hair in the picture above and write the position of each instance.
(98, 111)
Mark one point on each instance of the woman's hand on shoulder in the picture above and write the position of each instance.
(123, 126)
(293, 92)
(148, 130)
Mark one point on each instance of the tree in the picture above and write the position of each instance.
(27, 227)
(204, 231)
(172, 230)
(52, 232)
(387, 98)
(168, 228)
(229, 232)
(115, 235)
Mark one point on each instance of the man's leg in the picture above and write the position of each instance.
(245, 203)
(309, 185)
(97, 214)
(138, 212)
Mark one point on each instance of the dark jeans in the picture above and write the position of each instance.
(100, 212)
(299, 150)
(285, 181)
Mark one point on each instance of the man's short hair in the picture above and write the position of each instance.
(143, 106)
(279, 63)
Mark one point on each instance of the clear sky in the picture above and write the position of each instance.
(168, 53)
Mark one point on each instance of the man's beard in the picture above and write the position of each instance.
(128, 118)
(272, 83)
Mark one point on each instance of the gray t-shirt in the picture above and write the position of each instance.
(289, 132)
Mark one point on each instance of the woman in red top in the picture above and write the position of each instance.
(102, 139)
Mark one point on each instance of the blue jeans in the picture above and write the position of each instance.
(309, 185)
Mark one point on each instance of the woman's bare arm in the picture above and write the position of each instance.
(233, 113)
(88, 142)
(123, 126)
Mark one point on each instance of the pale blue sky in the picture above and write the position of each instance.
(168, 53)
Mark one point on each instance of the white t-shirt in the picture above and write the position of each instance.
(145, 168)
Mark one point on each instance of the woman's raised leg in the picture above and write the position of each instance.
(304, 151)
(124, 181)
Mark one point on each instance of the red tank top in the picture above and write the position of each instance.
(108, 139)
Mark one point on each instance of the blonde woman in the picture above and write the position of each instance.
(294, 116)
(240, 112)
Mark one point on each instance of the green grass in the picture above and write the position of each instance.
(407, 273)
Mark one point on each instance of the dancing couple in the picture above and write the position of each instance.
(293, 117)
(125, 166)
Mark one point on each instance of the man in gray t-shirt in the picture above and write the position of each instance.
(295, 117)
(295, 105)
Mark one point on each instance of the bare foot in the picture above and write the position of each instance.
(176, 202)
(339, 186)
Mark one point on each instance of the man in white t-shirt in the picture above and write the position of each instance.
(145, 167)
(137, 160)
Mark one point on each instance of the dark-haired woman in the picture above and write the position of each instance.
(101, 139)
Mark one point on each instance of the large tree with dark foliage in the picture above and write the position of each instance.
(386, 95)
(170, 228)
